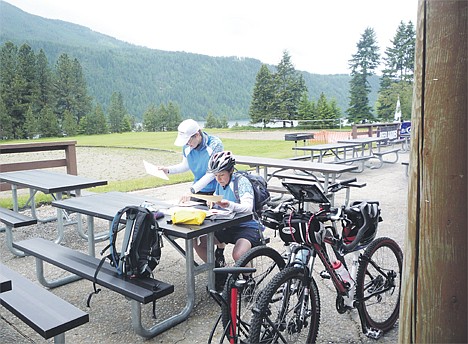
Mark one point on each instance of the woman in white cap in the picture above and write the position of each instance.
(198, 146)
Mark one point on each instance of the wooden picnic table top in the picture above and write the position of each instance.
(49, 182)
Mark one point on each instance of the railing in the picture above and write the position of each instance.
(68, 161)
(373, 129)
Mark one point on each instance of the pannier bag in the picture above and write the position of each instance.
(301, 228)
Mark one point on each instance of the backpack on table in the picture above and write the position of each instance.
(140, 250)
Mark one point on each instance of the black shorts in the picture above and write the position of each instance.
(232, 234)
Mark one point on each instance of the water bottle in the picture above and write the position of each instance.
(343, 273)
(301, 257)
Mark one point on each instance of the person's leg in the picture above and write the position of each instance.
(200, 246)
(242, 245)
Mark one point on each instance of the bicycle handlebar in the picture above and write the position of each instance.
(340, 185)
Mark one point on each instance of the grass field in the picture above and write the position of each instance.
(244, 143)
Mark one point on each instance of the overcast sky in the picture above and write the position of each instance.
(320, 35)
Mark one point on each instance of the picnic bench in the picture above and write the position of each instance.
(380, 154)
(360, 160)
(12, 219)
(47, 314)
(139, 291)
(406, 164)
(69, 160)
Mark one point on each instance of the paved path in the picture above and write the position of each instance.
(110, 313)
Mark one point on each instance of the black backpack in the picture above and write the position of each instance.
(259, 185)
(141, 245)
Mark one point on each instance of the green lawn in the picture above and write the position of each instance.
(163, 141)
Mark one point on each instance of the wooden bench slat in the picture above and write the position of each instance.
(40, 309)
(83, 265)
(14, 219)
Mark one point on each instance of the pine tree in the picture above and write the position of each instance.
(25, 86)
(6, 127)
(49, 124)
(69, 124)
(8, 58)
(31, 124)
(363, 64)
(44, 78)
(150, 119)
(211, 121)
(262, 97)
(116, 113)
(397, 78)
(289, 87)
(174, 116)
(71, 89)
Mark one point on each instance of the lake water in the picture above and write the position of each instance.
(245, 122)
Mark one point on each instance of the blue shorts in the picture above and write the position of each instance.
(230, 235)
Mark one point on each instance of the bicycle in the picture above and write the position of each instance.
(234, 327)
(265, 263)
(288, 310)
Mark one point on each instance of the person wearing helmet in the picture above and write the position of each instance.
(245, 235)
(198, 146)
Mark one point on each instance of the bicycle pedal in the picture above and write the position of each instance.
(324, 274)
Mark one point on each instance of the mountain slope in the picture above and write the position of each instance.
(198, 83)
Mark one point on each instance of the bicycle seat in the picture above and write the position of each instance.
(234, 270)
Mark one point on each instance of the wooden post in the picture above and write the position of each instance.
(434, 303)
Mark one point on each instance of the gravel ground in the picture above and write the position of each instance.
(110, 313)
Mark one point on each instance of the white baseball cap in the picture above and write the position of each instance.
(186, 129)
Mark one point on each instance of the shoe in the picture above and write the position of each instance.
(220, 281)
(219, 258)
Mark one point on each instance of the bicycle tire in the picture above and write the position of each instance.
(268, 263)
(380, 309)
(275, 314)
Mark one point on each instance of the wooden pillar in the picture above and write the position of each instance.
(434, 288)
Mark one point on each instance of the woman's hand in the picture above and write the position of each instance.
(185, 198)
(223, 203)
(164, 169)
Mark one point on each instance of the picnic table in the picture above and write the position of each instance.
(328, 171)
(106, 205)
(48, 182)
(338, 150)
(366, 144)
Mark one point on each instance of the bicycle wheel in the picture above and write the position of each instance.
(268, 263)
(378, 283)
(285, 313)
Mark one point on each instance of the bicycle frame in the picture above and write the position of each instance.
(332, 234)
(235, 324)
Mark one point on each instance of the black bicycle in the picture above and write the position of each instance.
(366, 272)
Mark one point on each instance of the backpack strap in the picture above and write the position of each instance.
(235, 181)
(113, 255)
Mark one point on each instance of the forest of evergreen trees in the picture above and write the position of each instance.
(110, 86)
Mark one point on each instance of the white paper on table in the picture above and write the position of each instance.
(209, 198)
(154, 171)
